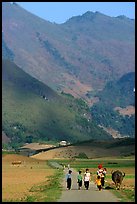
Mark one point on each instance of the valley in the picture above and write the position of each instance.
(68, 97)
(35, 179)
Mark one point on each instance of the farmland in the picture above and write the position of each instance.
(17, 180)
(127, 165)
(35, 180)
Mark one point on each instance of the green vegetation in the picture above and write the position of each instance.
(89, 163)
(125, 195)
(121, 91)
(28, 117)
(44, 193)
(82, 155)
(57, 57)
(116, 94)
(8, 152)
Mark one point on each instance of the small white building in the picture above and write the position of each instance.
(63, 143)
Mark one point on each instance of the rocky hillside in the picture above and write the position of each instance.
(78, 56)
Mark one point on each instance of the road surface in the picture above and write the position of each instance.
(83, 195)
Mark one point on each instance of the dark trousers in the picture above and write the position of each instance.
(69, 183)
(102, 181)
(80, 183)
(99, 187)
(86, 183)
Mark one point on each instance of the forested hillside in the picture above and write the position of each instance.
(116, 94)
(31, 111)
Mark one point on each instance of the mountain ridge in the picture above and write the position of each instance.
(91, 53)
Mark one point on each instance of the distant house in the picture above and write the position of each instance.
(45, 97)
(63, 143)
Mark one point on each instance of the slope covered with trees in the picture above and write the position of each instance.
(31, 111)
(116, 94)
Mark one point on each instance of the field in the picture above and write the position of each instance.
(126, 165)
(17, 180)
(34, 180)
(91, 149)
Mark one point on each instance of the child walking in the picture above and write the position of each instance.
(79, 177)
(86, 179)
(98, 182)
(69, 179)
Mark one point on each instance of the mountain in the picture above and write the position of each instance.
(32, 111)
(116, 105)
(6, 52)
(78, 56)
(120, 91)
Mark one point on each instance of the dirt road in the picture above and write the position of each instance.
(83, 195)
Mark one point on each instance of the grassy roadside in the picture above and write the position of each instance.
(47, 192)
(125, 195)
(49, 189)
(127, 192)
(33, 181)
(43, 192)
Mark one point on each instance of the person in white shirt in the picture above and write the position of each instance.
(86, 179)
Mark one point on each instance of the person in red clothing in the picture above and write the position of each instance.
(100, 173)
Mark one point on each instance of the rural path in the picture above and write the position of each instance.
(91, 195)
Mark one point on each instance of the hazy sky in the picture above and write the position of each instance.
(59, 12)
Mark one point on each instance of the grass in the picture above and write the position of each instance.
(8, 152)
(84, 163)
(44, 193)
(33, 181)
(127, 191)
(125, 195)
(49, 188)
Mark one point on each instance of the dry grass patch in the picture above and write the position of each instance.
(129, 110)
(17, 180)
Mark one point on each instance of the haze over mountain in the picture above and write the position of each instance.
(89, 56)
(78, 56)
(31, 111)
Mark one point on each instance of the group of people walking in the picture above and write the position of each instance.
(100, 179)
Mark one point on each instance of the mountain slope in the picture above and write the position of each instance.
(117, 96)
(6, 52)
(31, 111)
(120, 91)
(78, 56)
